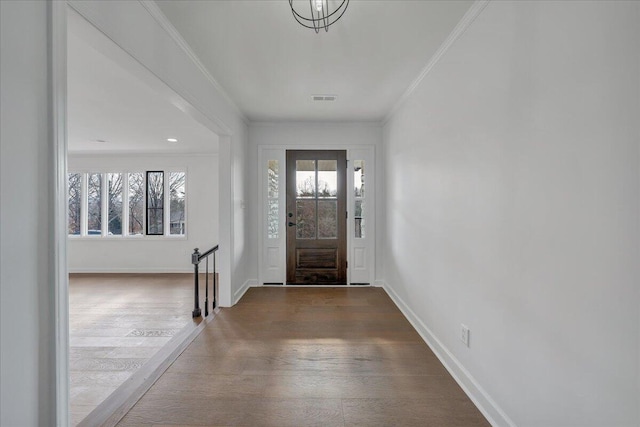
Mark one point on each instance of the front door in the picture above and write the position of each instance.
(316, 217)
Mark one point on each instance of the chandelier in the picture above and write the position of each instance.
(319, 16)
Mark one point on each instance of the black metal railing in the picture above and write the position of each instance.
(196, 258)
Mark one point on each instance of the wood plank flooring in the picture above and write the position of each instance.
(307, 357)
(117, 322)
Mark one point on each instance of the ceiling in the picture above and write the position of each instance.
(107, 101)
(270, 65)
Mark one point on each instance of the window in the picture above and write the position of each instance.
(136, 203)
(176, 203)
(75, 203)
(127, 204)
(115, 203)
(155, 203)
(94, 204)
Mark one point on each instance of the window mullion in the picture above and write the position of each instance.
(165, 204)
(125, 204)
(145, 194)
(104, 205)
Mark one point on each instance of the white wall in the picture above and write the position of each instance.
(29, 248)
(146, 254)
(141, 30)
(314, 136)
(27, 294)
(513, 203)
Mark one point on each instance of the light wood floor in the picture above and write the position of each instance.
(307, 357)
(116, 323)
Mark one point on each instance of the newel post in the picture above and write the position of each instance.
(195, 260)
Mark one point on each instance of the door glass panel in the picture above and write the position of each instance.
(272, 220)
(358, 182)
(306, 219)
(272, 199)
(358, 177)
(359, 219)
(272, 178)
(327, 178)
(305, 178)
(327, 219)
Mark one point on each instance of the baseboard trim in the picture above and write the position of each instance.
(489, 408)
(237, 295)
(131, 270)
(113, 409)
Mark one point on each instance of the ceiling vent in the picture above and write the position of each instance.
(324, 97)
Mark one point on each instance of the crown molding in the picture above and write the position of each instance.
(476, 8)
(145, 154)
(163, 21)
(305, 123)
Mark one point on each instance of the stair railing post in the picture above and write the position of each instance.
(215, 282)
(206, 287)
(195, 260)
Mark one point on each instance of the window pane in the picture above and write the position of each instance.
(94, 208)
(359, 219)
(177, 203)
(273, 179)
(306, 219)
(75, 203)
(305, 178)
(358, 177)
(155, 221)
(327, 178)
(155, 203)
(115, 203)
(327, 219)
(136, 203)
(272, 220)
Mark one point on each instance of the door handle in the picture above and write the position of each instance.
(291, 224)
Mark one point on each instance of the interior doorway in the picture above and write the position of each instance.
(316, 222)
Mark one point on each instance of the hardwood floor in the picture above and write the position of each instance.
(307, 357)
(117, 322)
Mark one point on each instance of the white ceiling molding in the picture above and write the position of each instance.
(160, 17)
(141, 154)
(304, 123)
(468, 18)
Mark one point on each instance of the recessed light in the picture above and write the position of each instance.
(172, 140)
(324, 97)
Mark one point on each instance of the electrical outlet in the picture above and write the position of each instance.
(464, 334)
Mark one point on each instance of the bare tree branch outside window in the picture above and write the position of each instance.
(177, 203)
(115, 203)
(75, 203)
(155, 203)
(136, 203)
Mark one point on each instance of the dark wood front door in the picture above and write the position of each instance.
(316, 217)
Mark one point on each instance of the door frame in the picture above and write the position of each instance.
(360, 270)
